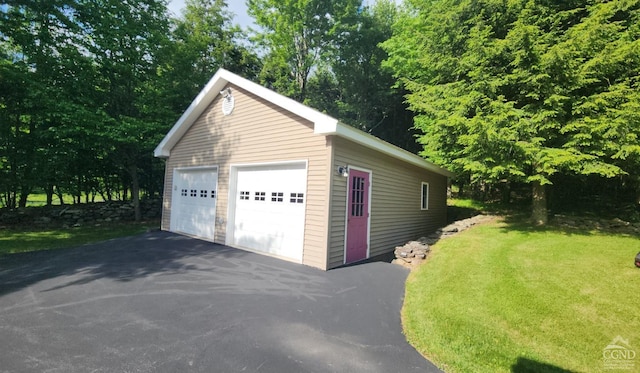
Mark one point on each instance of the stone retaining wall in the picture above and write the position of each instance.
(587, 223)
(78, 215)
(414, 253)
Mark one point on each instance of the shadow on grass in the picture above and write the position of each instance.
(455, 213)
(122, 259)
(525, 365)
(521, 222)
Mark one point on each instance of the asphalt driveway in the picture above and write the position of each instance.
(161, 302)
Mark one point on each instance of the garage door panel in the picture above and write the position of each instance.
(270, 209)
(193, 208)
(271, 243)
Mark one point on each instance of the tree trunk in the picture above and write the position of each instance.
(506, 193)
(24, 195)
(135, 191)
(12, 199)
(60, 195)
(539, 203)
(49, 192)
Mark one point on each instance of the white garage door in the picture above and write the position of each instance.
(269, 209)
(193, 208)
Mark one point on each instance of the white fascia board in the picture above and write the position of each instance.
(277, 99)
(212, 89)
(198, 105)
(370, 141)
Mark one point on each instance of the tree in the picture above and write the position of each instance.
(505, 90)
(88, 88)
(41, 63)
(296, 35)
(203, 40)
(125, 38)
(364, 93)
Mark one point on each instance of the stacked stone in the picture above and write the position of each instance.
(80, 214)
(591, 223)
(414, 253)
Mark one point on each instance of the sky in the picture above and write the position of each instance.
(237, 7)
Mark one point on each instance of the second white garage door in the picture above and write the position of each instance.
(268, 208)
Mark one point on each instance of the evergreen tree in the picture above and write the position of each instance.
(522, 90)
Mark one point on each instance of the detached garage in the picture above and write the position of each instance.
(252, 169)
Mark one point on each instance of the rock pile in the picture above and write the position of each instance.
(414, 253)
(80, 214)
(616, 225)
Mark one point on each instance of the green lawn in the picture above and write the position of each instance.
(40, 199)
(506, 298)
(17, 241)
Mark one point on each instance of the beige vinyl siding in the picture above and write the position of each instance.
(256, 132)
(396, 214)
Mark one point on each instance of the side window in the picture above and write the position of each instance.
(424, 200)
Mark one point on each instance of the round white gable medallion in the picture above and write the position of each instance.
(228, 103)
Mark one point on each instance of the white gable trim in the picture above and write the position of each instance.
(323, 124)
(217, 83)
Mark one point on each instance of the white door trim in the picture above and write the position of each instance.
(346, 212)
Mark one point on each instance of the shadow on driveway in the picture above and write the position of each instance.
(161, 302)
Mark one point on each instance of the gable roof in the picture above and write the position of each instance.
(323, 124)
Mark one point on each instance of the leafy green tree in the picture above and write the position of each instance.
(202, 40)
(356, 88)
(14, 90)
(125, 39)
(90, 87)
(41, 62)
(521, 90)
(296, 35)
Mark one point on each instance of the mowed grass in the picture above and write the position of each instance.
(19, 240)
(508, 298)
(40, 199)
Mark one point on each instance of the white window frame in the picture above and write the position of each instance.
(424, 202)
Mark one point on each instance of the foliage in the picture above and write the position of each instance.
(503, 297)
(523, 90)
(295, 36)
(203, 40)
(503, 93)
(355, 88)
(88, 88)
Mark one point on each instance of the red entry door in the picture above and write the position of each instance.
(357, 216)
